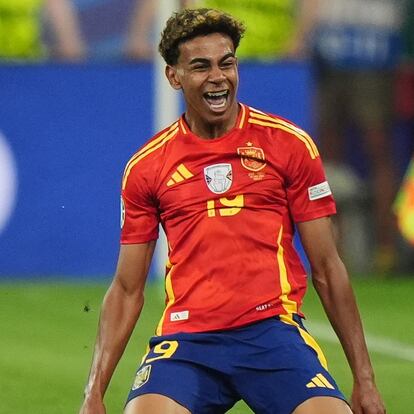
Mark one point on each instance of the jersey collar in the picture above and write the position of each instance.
(240, 122)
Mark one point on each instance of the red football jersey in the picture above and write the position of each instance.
(228, 207)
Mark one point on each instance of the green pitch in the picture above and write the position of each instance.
(47, 331)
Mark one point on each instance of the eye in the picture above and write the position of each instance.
(199, 68)
(228, 63)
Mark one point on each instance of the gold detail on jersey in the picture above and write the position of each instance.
(148, 149)
(184, 171)
(170, 297)
(243, 116)
(289, 305)
(252, 158)
(319, 382)
(183, 128)
(257, 176)
(177, 177)
(181, 174)
(266, 120)
(142, 377)
(230, 206)
(151, 144)
(211, 212)
(307, 337)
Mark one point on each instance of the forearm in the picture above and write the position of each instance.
(63, 21)
(119, 314)
(337, 297)
(306, 19)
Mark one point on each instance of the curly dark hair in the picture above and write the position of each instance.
(189, 23)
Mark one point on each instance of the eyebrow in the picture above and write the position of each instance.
(203, 60)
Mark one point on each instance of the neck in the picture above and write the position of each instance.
(207, 129)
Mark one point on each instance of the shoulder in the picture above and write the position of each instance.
(285, 132)
(149, 155)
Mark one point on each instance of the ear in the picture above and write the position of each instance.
(172, 76)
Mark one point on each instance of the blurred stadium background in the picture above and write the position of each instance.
(66, 131)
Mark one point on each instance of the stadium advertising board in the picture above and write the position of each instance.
(67, 132)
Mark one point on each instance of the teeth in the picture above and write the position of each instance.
(216, 94)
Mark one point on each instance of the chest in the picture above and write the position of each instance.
(221, 179)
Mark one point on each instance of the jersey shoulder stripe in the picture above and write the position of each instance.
(157, 142)
(260, 118)
(154, 141)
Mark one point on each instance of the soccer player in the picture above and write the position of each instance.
(228, 183)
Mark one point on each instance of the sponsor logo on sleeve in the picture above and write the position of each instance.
(319, 191)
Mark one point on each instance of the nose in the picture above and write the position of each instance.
(216, 74)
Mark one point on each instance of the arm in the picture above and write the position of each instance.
(332, 284)
(306, 20)
(62, 18)
(120, 311)
(138, 44)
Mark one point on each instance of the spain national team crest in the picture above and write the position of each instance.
(252, 158)
(218, 177)
(142, 377)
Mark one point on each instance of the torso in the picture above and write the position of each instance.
(227, 206)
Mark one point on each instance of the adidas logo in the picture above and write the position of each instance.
(181, 174)
(319, 382)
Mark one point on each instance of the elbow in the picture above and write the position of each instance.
(327, 272)
(128, 291)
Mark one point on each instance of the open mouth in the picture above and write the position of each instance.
(217, 100)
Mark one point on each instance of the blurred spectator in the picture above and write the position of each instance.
(21, 27)
(270, 25)
(404, 205)
(405, 79)
(141, 40)
(354, 47)
(139, 44)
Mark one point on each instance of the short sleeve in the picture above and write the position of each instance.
(308, 192)
(139, 214)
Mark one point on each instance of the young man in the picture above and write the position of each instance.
(228, 182)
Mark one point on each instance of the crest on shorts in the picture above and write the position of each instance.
(252, 158)
(142, 377)
(219, 177)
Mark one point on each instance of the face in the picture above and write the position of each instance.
(207, 73)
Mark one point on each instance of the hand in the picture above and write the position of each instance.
(92, 406)
(366, 399)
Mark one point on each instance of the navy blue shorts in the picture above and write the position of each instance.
(273, 365)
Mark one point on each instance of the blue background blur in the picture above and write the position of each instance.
(71, 129)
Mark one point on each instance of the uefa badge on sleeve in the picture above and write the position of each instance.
(122, 217)
(219, 177)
